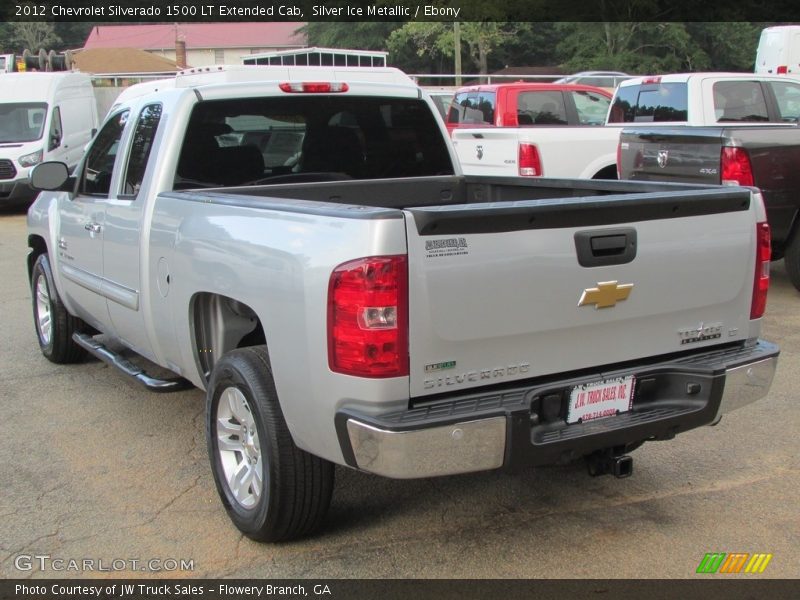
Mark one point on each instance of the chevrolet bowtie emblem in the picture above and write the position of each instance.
(606, 294)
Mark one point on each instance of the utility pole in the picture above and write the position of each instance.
(457, 43)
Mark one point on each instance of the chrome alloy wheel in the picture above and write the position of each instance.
(238, 448)
(44, 317)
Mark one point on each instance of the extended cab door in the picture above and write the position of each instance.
(122, 234)
(80, 239)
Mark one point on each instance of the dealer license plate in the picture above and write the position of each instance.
(600, 399)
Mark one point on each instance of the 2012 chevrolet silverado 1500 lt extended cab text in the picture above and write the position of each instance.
(753, 139)
(305, 249)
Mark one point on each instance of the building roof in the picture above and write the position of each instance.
(198, 35)
(121, 60)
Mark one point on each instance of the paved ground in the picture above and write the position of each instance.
(93, 466)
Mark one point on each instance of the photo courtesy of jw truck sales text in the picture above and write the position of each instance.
(300, 243)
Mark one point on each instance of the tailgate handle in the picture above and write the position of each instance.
(603, 247)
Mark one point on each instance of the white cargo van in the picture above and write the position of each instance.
(779, 50)
(43, 116)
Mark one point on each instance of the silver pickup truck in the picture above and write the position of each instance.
(304, 248)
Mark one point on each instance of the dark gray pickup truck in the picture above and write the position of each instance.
(756, 142)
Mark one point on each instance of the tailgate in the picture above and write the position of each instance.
(487, 151)
(495, 290)
(687, 154)
(563, 151)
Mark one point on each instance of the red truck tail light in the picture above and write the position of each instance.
(368, 317)
(530, 165)
(313, 87)
(782, 70)
(736, 167)
(761, 282)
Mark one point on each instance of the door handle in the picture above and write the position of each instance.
(604, 247)
(93, 227)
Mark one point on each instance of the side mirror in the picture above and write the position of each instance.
(50, 176)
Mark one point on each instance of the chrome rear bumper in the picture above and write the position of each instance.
(490, 429)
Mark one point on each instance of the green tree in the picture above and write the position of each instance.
(730, 46)
(533, 45)
(635, 47)
(360, 35)
(33, 35)
(434, 41)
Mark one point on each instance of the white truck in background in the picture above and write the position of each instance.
(649, 102)
(43, 117)
(533, 130)
(6, 63)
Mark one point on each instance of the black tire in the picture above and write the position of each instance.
(58, 346)
(791, 259)
(297, 486)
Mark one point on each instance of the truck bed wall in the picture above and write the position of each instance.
(437, 191)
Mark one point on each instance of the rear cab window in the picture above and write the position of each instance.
(266, 140)
(650, 103)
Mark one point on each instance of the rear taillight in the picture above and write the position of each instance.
(736, 168)
(782, 70)
(368, 317)
(530, 165)
(761, 281)
(313, 87)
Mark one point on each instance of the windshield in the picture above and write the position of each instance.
(22, 122)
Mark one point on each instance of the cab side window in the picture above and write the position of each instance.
(591, 107)
(56, 132)
(788, 97)
(741, 101)
(541, 108)
(96, 178)
(143, 137)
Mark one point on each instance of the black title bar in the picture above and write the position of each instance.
(397, 10)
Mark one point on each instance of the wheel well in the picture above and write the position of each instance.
(222, 324)
(38, 247)
(609, 172)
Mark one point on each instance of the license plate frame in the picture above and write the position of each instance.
(600, 399)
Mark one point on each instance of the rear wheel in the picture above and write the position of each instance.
(272, 490)
(791, 259)
(54, 325)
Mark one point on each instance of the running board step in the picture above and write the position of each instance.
(153, 384)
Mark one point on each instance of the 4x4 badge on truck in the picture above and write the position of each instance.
(663, 157)
(606, 294)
